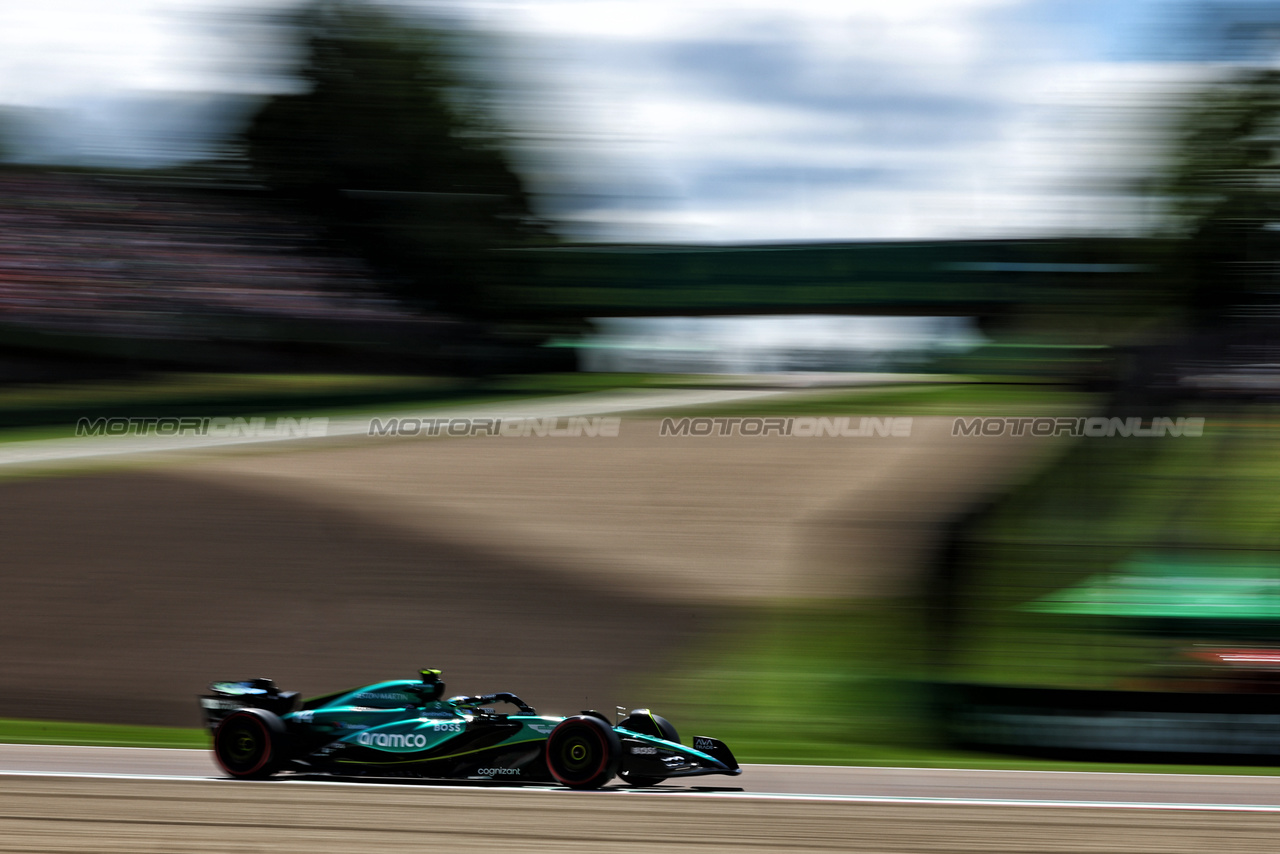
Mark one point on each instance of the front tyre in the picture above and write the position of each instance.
(583, 752)
(249, 744)
(639, 782)
(642, 720)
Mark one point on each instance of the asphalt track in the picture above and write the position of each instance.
(59, 799)
(786, 782)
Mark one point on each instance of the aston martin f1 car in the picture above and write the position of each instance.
(403, 728)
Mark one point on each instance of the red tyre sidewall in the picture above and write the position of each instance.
(266, 737)
(579, 724)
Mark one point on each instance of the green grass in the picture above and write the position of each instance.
(747, 748)
(181, 387)
(841, 682)
(19, 731)
(837, 682)
(34, 412)
(157, 391)
(1102, 503)
(172, 394)
(831, 684)
(922, 399)
(795, 682)
(578, 383)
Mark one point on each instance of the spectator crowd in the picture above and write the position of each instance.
(101, 255)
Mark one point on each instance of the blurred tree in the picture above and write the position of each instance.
(8, 134)
(1224, 185)
(395, 153)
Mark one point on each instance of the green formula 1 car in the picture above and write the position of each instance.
(403, 728)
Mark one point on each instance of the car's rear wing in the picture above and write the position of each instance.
(254, 693)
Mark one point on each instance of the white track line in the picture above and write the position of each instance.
(946, 770)
(916, 769)
(633, 793)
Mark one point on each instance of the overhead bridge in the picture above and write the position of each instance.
(899, 278)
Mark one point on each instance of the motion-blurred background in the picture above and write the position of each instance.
(933, 210)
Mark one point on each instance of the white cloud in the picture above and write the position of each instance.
(821, 120)
(710, 119)
(66, 50)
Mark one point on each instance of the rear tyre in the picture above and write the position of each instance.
(583, 752)
(249, 744)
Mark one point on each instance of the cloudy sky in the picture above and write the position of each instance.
(689, 120)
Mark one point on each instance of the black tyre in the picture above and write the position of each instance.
(639, 782)
(665, 729)
(583, 752)
(250, 744)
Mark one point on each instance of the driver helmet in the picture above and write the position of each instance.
(432, 686)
